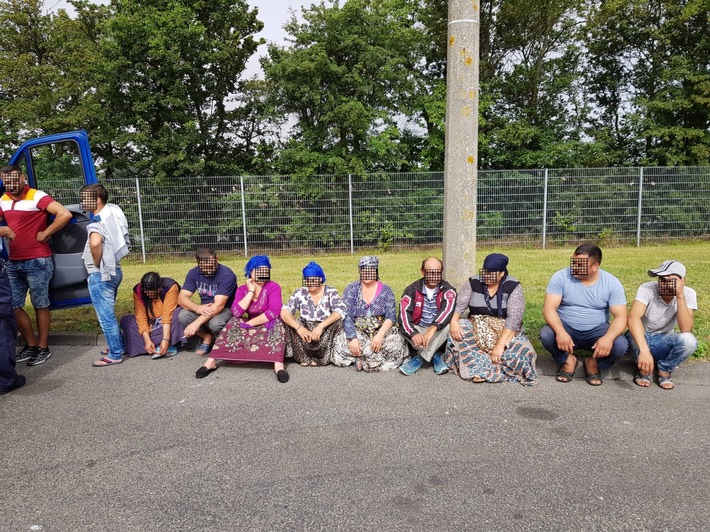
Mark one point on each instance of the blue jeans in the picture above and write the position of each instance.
(103, 297)
(33, 275)
(583, 340)
(667, 349)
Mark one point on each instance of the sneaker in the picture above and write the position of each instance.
(25, 354)
(411, 366)
(42, 354)
(439, 367)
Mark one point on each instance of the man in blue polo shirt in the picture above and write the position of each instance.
(577, 306)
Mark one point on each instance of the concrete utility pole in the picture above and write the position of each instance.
(461, 150)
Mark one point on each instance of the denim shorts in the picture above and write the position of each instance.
(33, 275)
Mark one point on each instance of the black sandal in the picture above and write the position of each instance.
(282, 376)
(203, 372)
(591, 377)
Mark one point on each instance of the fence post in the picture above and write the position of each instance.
(140, 218)
(244, 214)
(544, 212)
(640, 206)
(350, 208)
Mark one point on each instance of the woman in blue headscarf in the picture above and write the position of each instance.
(310, 339)
(490, 346)
(255, 333)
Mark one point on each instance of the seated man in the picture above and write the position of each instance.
(426, 308)
(216, 285)
(578, 301)
(656, 310)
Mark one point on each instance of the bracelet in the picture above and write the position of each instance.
(251, 291)
(165, 340)
(298, 327)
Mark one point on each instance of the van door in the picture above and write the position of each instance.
(61, 165)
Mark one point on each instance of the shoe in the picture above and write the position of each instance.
(25, 354)
(19, 383)
(203, 372)
(439, 366)
(42, 354)
(665, 382)
(411, 366)
(282, 376)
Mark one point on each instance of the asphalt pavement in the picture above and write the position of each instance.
(146, 446)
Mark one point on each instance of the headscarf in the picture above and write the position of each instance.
(255, 262)
(369, 261)
(496, 262)
(313, 269)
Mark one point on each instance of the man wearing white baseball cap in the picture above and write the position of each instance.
(656, 310)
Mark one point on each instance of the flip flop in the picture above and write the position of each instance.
(171, 352)
(106, 361)
(203, 349)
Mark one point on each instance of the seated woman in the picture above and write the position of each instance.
(310, 338)
(255, 333)
(490, 346)
(369, 340)
(154, 327)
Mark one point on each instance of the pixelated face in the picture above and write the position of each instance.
(433, 276)
(579, 266)
(13, 182)
(207, 265)
(262, 274)
(151, 294)
(89, 200)
(488, 276)
(311, 282)
(666, 286)
(368, 273)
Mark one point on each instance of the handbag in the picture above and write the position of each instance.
(486, 331)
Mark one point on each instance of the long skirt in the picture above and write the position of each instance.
(467, 360)
(390, 356)
(265, 343)
(134, 341)
(319, 352)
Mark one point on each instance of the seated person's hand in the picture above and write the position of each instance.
(645, 362)
(305, 334)
(206, 310)
(418, 340)
(602, 347)
(455, 330)
(149, 347)
(496, 354)
(565, 343)
(354, 346)
(191, 330)
(315, 334)
(376, 343)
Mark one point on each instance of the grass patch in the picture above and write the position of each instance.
(532, 266)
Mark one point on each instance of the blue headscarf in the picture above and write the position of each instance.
(255, 262)
(314, 270)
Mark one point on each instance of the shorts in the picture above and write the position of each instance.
(33, 275)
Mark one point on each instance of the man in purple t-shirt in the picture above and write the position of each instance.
(216, 285)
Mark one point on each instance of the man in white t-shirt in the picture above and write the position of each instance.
(656, 310)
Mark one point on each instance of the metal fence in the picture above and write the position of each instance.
(543, 208)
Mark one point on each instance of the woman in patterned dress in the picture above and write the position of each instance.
(309, 339)
(255, 333)
(369, 339)
(504, 353)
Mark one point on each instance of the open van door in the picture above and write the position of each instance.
(61, 165)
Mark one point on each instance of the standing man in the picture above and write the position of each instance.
(106, 245)
(578, 302)
(31, 266)
(216, 285)
(658, 307)
(9, 379)
(426, 309)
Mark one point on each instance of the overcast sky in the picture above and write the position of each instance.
(273, 13)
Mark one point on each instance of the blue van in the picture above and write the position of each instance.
(61, 165)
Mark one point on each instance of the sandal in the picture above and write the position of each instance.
(566, 376)
(106, 361)
(171, 352)
(478, 379)
(665, 382)
(594, 379)
(642, 380)
(282, 376)
(203, 349)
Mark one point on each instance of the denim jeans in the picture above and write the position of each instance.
(103, 297)
(583, 340)
(667, 349)
(33, 275)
